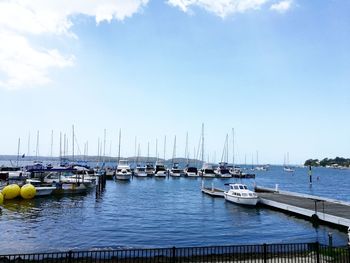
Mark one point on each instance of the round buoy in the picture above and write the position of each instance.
(1, 198)
(11, 191)
(28, 191)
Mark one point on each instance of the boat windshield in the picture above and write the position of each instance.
(192, 170)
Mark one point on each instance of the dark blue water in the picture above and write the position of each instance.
(152, 212)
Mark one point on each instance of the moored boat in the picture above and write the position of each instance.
(240, 194)
(123, 171)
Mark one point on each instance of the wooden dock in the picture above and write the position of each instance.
(314, 208)
(214, 192)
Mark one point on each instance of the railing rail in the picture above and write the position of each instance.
(297, 252)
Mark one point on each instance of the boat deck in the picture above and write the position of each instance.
(215, 192)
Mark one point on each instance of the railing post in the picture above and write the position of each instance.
(70, 256)
(265, 252)
(173, 258)
(317, 252)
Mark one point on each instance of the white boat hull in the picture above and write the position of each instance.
(141, 174)
(207, 175)
(251, 201)
(175, 174)
(225, 175)
(160, 174)
(44, 190)
(191, 174)
(124, 177)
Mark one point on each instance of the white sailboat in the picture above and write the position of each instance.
(123, 171)
(286, 167)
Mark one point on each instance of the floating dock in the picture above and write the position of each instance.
(315, 208)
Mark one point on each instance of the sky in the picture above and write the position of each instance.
(275, 71)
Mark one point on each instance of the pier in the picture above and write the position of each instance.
(315, 208)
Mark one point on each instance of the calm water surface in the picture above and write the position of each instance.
(150, 212)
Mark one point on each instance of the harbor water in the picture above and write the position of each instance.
(166, 212)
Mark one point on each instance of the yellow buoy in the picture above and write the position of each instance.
(11, 191)
(28, 191)
(1, 198)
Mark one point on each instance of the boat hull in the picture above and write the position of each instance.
(249, 201)
(123, 177)
(44, 190)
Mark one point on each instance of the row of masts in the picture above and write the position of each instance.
(101, 149)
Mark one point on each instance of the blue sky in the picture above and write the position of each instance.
(278, 72)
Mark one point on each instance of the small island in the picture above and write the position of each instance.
(337, 162)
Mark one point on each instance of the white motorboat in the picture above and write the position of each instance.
(149, 169)
(160, 170)
(13, 173)
(240, 194)
(123, 171)
(140, 171)
(175, 171)
(41, 190)
(207, 171)
(222, 171)
(191, 171)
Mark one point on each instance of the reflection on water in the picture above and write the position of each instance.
(146, 212)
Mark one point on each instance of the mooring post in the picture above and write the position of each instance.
(349, 238)
(310, 174)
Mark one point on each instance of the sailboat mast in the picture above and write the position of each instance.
(120, 136)
(60, 147)
(157, 149)
(37, 146)
(164, 147)
(18, 149)
(233, 147)
(104, 145)
(147, 151)
(202, 143)
(28, 153)
(72, 143)
(174, 150)
(227, 148)
(51, 143)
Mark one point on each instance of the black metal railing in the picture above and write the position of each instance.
(299, 252)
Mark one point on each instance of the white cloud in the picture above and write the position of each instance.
(221, 8)
(282, 6)
(24, 64)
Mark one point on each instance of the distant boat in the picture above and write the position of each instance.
(191, 171)
(222, 171)
(207, 171)
(140, 171)
(286, 167)
(240, 194)
(175, 171)
(123, 171)
(160, 170)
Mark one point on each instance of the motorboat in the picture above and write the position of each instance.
(123, 171)
(222, 171)
(240, 194)
(175, 171)
(160, 170)
(140, 171)
(66, 183)
(41, 190)
(13, 173)
(207, 171)
(191, 171)
(149, 169)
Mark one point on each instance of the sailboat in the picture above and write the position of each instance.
(207, 169)
(175, 171)
(123, 171)
(286, 166)
(222, 171)
(140, 170)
